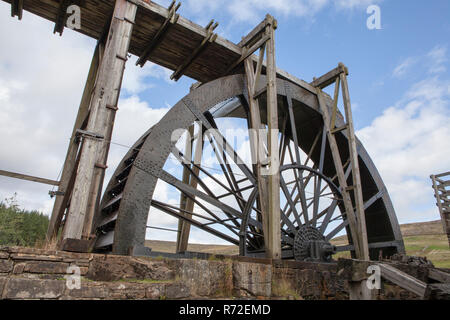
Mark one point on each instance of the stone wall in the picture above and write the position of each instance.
(27, 273)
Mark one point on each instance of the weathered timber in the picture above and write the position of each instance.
(28, 178)
(404, 280)
(274, 232)
(170, 20)
(88, 182)
(70, 164)
(439, 275)
(17, 8)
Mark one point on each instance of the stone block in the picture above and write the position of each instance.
(17, 288)
(46, 267)
(4, 255)
(6, 266)
(155, 291)
(252, 279)
(88, 290)
(177, 291)
(113, 268)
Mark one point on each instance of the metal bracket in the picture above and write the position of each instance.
(87, 134)
(56, 194)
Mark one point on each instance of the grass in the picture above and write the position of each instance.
(434, 247)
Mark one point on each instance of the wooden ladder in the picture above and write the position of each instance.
(354, 213)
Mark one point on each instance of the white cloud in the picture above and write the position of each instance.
(403, 67)
(253, 10)
(408, 143)
(437, 57)
(434, 62)
(136, 78)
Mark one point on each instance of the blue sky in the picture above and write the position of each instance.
(399, 86)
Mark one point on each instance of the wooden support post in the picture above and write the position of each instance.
(274, 248)
(94, 152)
(356, 216)
(185, 227)
(354, 229)
(256, 146)
(70, 163)
(354, 160)
(185, 179)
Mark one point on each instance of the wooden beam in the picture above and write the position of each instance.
(61, 16)
(256, 147)
(70, 162)
(28, 178)
(442, 175)
(210, 38)
(256, 33)
(403, 280)
(17, 8)
(185, 228)
(439, 275)
(274, 233)
(171, 19)
(89, 179)
(354, 228)
(247, 53)
(330, 77)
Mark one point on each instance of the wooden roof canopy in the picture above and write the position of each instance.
(160, 35)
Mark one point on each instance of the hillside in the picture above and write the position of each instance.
(425, 239)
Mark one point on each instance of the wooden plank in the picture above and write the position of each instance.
(28, 178)
(403, 280)
(439, 275)
(88, 182)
